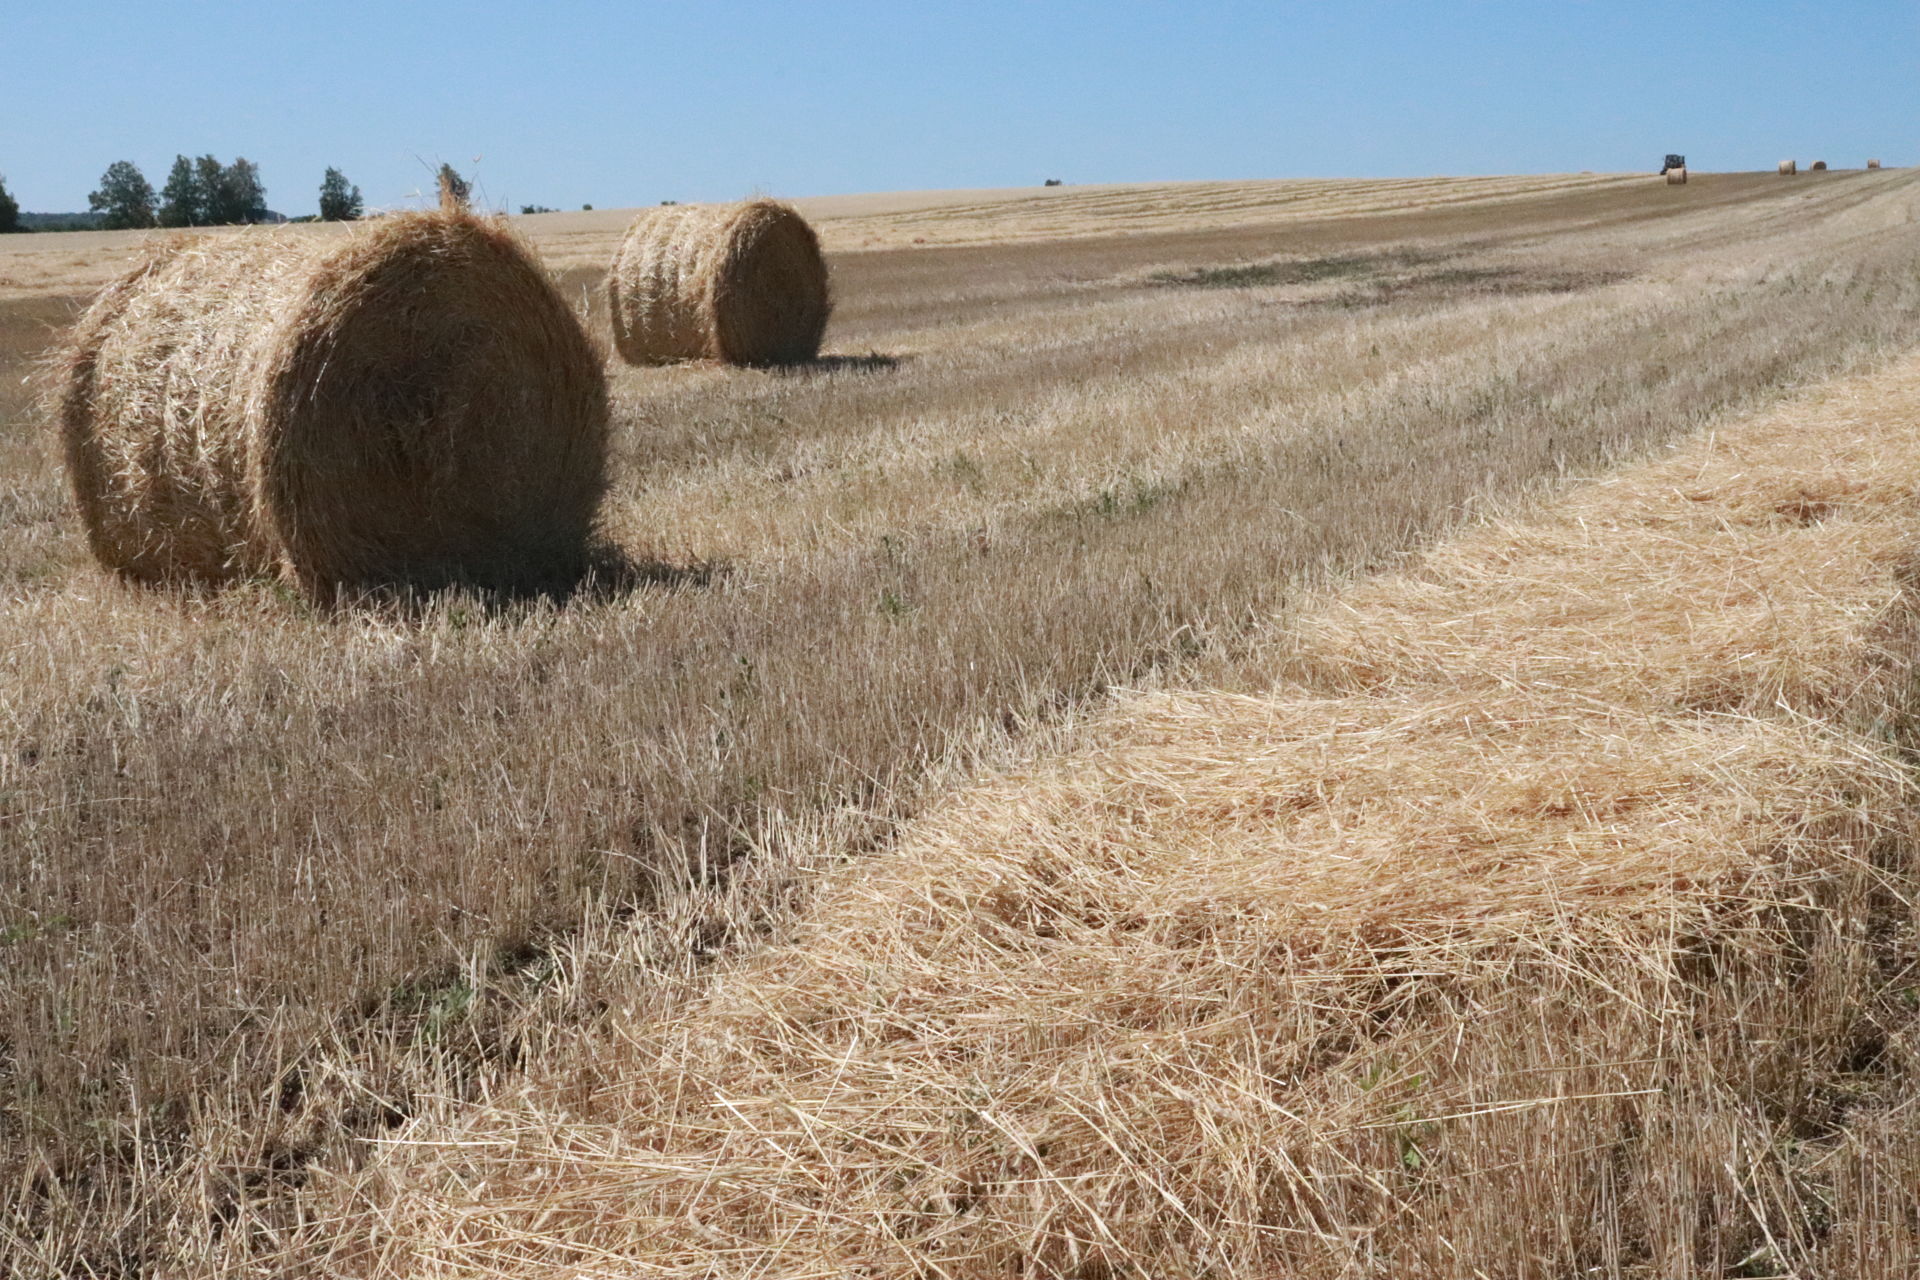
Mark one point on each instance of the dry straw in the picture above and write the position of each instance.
(1818, 166)
(1873, 164)
(1501, 935)
(1676, 177)
(742, 283)
(411, 403)
(454, 192)
(1789, 167)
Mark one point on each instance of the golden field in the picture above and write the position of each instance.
(380, 938)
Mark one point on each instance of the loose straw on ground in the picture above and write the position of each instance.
(1508, 930)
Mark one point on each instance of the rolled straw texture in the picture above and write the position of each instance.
(1873, 164)
(741, 283)
(1789, 167)
(1818, 166)
(1676, 177)
(411, 403)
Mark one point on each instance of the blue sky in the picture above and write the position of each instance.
(621, 104)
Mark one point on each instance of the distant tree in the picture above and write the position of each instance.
(537, 208)
(9, 209)
(125, 197)
(339, 202)
(183, 201)
(455, 192)
(209, 177)
(586, 206)
(245, 197)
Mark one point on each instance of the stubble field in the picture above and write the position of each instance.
(271, 878)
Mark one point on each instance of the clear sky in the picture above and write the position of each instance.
(567, 102)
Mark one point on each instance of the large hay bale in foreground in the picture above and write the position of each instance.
(1789, 167)
(411, 403)
(1676, 177)
(1818, 166)
(740, 283)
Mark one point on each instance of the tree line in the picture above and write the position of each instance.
(203, 192)
(199, 192)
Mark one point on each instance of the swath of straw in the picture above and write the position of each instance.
(1493, 938)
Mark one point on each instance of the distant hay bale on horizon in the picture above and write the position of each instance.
(1873, 164)
(412, 403)
(740, 283)
(1677, 177)
(1789, 167)
(1818, 166)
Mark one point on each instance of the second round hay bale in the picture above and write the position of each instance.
(411, 403)
(1818, 166)
(1789, 167)
(1676, 177)
(742, 283)
(1873, 164)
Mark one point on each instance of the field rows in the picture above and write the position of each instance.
(69, 262)
(1390, 965)
(262, 865)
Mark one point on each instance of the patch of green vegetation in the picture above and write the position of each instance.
(1129, 498)
(437, 1008)
(1338, 266)
(27, 930)
(968, 472)
(1257, 274)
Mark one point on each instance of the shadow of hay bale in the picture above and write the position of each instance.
(873, 362)
(606, 575)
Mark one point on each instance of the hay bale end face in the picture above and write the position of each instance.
(1676, 177)
(743, 283)
(1789, 167)
(413, 403)
(1818, 166)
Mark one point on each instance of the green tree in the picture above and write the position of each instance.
(183, 201)
(125, 197)
(9, 208)
(339, 202)
(246, 195)
(232, 193)
(209, 174)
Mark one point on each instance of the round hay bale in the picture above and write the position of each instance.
(1873, 164)
(1789, 167)
(411, 403)
(740, 283)
(1676, 177)
(1818, 166)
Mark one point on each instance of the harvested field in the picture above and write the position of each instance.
(269, 877)
(39, 265)
(1505, 934)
